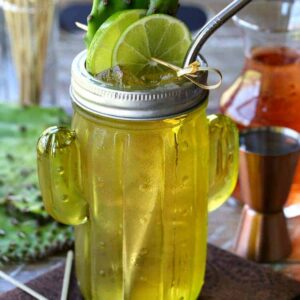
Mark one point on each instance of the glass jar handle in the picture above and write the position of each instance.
(223, 159)
(60, 176)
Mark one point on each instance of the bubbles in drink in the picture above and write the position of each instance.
(100, 182)
(61, 171)
(65, 198)
(143, 220)
(143, 252)
(185, 212)
(102, 245)
(145, 186)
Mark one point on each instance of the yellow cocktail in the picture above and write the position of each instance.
(137, 186)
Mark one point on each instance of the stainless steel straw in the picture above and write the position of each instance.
(210, 27)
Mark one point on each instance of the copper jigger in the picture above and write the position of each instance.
(268, 160)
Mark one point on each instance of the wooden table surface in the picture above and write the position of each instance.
(224, 51)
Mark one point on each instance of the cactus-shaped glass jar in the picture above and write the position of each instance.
(136, 175)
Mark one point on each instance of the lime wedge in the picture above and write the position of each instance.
(158, 36)
(99, 55)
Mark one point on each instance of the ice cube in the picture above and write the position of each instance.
(122, 77)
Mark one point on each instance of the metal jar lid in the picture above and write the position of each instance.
(95, 97)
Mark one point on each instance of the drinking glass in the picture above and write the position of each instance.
(134, 175)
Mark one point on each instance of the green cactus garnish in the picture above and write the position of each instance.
(103, 9)
(163, 6)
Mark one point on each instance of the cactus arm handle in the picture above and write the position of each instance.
(60, 176)
(223, 159)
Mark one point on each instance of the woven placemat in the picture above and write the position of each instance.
(228, 277)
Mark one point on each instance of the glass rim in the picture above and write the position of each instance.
(284, 131)
(240, 20)
(151, 104)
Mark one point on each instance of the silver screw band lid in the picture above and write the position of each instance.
(95, 97)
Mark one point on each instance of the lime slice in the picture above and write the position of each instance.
(158, 36)
(100, 51)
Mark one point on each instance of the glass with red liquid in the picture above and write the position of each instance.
(268, 90)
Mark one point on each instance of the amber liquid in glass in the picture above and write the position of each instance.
(267, 93)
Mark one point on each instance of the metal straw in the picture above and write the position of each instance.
(210, 27)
